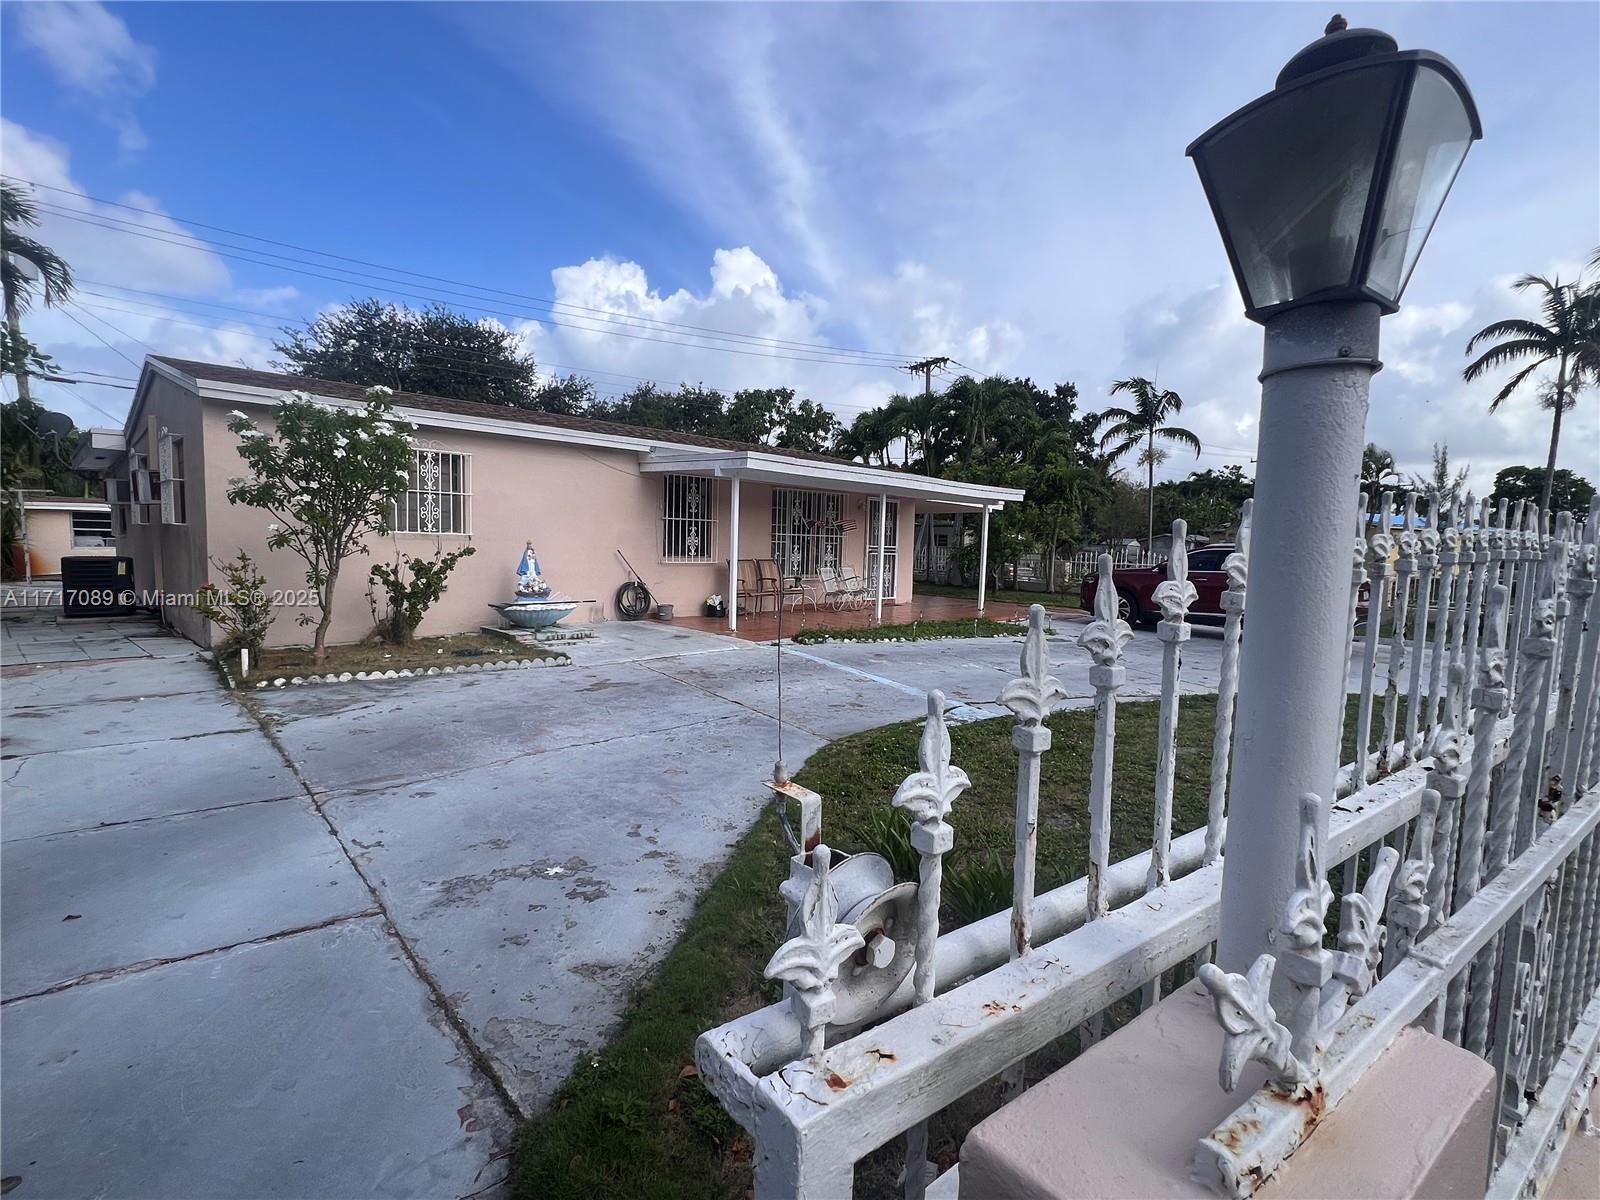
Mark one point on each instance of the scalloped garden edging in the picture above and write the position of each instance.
(504, 664)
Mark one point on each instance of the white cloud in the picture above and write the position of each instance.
(92, 53)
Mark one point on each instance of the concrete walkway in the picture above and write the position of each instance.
(201, 995)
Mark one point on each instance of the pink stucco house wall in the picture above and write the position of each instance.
(580, 490)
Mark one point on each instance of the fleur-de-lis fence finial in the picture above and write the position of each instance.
(1361, 935)
(1032, 693)
(1304, 962)
(1174, 594)
(810, 960)
(1408, 909)
(927, 794)
(1250, 1026)
(1106, 635)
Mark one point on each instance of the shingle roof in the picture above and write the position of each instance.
(248, 377)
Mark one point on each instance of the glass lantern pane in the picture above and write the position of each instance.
(1290, 182)
(1433, 143)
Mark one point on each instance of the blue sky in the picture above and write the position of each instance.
(1003, 184)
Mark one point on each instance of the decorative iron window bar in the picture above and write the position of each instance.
(688, 519)
(92, 529)
(438, 496)
(808, 530)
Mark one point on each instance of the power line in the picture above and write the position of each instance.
(742, 343)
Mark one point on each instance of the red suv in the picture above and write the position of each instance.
(1136, 587)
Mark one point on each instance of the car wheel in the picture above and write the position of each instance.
(1128, 607)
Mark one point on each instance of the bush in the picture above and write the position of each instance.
(887, 831)
(242, 609)
(977, 889)
(413, 586)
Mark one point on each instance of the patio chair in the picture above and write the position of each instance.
(839, 592)
(750, 593)
(859, 588)
(781, 588)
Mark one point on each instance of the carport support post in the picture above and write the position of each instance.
(983, 557)
(1318, 363)
(733, 556)
(883, 557)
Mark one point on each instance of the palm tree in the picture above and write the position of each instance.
(1142, 424)
(1569, 337)
(1377, 470)
(24, 265)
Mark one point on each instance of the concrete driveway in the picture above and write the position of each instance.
(254, 949)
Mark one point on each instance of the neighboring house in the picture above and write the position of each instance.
(580, 490)
(56, 527)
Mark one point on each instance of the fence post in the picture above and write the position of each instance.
(1318, 364)
(1237, 565)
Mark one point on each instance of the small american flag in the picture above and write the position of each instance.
(847, 526)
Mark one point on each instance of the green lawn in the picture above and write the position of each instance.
(1059, 600)
(634, 1121)
(914, 631)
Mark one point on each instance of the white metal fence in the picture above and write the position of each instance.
(1465, 822)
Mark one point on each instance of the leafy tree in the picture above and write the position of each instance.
(1208, 500)
(1377, 470)
(1124, 429)
(411, 586)
(1442, 481)
(1568, 336)
(435, 351)
(1569, 492)
(25, 265)
(808, 426)
(691, 408)
(329, 476)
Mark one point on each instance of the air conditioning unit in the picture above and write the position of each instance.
(119, 491)
(146, 486)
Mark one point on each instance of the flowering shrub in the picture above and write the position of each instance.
(329, 476)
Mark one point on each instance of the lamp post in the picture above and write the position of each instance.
(1324, 190)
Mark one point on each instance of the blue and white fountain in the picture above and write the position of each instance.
(534, 606)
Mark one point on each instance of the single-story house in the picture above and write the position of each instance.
(54, 527)
(682, 508)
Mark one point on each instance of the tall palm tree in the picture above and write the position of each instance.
(25, 264)
(1569, 337)
(1139, 427)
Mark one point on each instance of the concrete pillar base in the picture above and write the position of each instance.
(1123, 1119)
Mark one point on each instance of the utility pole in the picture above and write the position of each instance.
(927, 367)
(921, 544)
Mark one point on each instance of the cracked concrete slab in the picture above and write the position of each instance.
(84, 902)
(113, 784)
(108, 681)
(537, 891)
(313, 1065)
(85, 723)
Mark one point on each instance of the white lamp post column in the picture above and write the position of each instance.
(1318, 362)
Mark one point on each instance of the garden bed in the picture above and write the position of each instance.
(367, 660)
(914, 631)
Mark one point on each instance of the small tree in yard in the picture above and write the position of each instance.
(330, 477)
(242, 608)
(410, 598)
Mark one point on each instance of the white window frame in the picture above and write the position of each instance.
(808, 529)
(174, 492)
(688, 519)
(438, 496)
(95, 538)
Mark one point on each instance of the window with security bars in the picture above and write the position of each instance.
(438, 495)
(808, 530)
(688, 519)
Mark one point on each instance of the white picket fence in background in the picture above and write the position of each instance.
(1466, 825)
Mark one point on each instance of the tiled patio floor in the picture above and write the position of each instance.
(764, 626)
